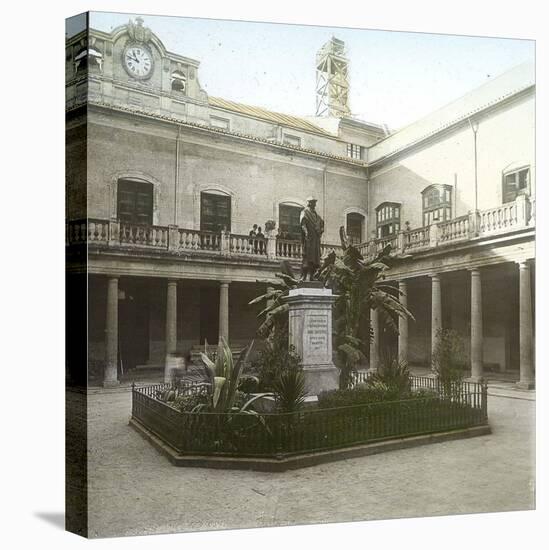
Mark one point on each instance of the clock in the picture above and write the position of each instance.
(138, 61)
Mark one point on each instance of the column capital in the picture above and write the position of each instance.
(224, 283)
(524, 264)
(172, 282)
(434, 276)
(475, 271)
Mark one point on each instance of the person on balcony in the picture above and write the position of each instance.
(259, 242)
(312, 227)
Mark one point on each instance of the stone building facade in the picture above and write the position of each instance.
(164, 184)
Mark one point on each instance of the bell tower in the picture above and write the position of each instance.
(332, 80)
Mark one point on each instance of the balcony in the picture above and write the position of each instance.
(112, 234)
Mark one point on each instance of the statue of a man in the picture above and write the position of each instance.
(312, 227)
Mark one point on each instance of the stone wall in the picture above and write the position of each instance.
(505, 139)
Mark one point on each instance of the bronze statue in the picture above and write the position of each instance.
(312, 227)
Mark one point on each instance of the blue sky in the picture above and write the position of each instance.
(396, 77)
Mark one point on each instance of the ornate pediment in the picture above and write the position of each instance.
(137, 32)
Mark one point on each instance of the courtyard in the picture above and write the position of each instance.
(133, 490)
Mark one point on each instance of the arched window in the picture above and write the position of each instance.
(437, 203)
(135, 201)
(179, 82)
(88, 58)
(215, 211)
(288, 221)
(387, 219)
(355, 227)
(81, 61)
(516, 182)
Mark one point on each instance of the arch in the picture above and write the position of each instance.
(357, 210)
(286, 215)
(516, 165)
(178, 82)
(436, 200)
(214, 189)
(136, 175)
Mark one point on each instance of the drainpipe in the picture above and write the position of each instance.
(324, 191)
(176, 175)
(455, 197)
(474, 128)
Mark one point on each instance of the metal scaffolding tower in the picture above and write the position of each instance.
(332, 84)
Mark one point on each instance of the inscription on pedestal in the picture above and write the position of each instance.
(317, 334)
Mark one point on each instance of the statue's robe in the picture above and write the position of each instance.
(312, 225)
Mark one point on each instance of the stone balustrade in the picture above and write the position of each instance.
(454, 230)
(288, 249)
(96, 232)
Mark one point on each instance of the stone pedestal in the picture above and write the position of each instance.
(310, 332)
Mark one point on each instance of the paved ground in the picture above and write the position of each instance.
(135, 490)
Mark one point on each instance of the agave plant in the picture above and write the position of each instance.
(358, 283)
(224, 375)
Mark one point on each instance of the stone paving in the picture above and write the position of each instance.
(133, 490)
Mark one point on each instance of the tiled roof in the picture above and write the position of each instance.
(489, 94)
(271, 116)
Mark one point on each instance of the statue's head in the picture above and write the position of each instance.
(311, 201)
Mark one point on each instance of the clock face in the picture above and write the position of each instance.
(138, 61)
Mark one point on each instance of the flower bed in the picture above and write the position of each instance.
(279, 435)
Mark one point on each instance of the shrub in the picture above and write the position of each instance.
(187, 402)
(275, 358)
(249, 384)
(394, 375)
(449, 360)
(359, 395)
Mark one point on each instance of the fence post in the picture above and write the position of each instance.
(173, 237)
(433, 234)
(521, 205)
(400, 242)
(114, 231)
(271, 245)
(474, 223)
(225, 243)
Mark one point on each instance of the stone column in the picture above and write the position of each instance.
(374, 342)
(224, 311)
(436, 311)
(403, 324)
(477, 365)
(527, 377)
(110, 378)
(171, 328)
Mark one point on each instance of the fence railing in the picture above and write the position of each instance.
(507, 217)
(454, 230)
(253, 246)
(283, 434)
(288, 249)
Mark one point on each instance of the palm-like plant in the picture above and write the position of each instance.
(275, 312)
(289, 390)
(358, 283)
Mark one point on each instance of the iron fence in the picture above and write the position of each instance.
(286, 434)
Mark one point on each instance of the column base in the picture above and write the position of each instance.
(476, 379)
(321, 378)
(526, 385)
(111, 383)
